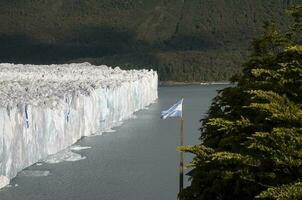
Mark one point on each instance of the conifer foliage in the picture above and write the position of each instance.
(252, 137)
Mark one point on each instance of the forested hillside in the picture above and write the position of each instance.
(185, 40)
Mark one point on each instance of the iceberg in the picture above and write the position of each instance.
(46, 108)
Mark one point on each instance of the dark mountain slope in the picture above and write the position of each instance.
(185, 40)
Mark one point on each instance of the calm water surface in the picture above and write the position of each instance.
(137, 162)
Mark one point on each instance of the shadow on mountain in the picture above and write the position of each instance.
(79, 43)
(188, 43)
(91, 42)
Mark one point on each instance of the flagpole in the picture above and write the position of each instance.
(176, 111)
(181, 160)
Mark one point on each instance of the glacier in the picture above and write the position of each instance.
(46, 108)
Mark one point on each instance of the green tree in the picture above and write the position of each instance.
(252, 137)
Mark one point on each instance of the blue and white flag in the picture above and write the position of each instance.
(174, 111)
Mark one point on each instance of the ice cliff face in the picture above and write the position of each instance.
(44, 109)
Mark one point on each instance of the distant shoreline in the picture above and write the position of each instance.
(173, 83)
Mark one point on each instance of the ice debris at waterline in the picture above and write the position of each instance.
(67, 155)
(45, 109)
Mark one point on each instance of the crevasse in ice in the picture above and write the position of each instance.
(46, 108)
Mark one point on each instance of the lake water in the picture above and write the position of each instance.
(137, 162)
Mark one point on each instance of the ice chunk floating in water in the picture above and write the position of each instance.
(78, 148)
(67, 155)
(45, 109)
(64, 155)
(34, 173)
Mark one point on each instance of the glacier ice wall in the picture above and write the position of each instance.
(44, 109)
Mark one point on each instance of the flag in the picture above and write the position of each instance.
(174, 111)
